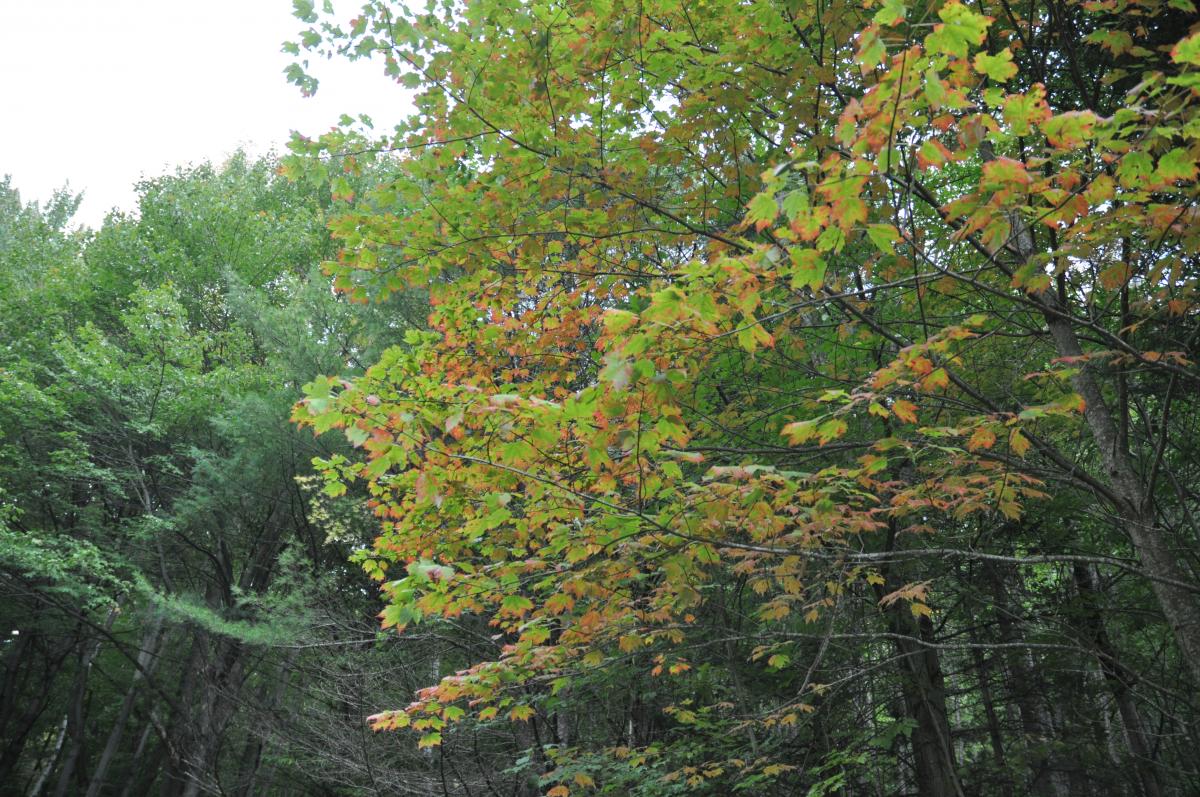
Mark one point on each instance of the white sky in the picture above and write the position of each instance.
(102, 92)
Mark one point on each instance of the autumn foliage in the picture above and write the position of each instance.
(817, 304)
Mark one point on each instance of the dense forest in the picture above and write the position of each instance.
(780, 397)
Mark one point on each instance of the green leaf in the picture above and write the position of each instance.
(795, 203)
(999, 67)
(808, 269)
(831, 430)
(1023, 111)
(891, 13)
(871, 49)
(1070, 130)
(304, 10)
(1187, 50)
(515, 605)
(800, 431)
(1178, 164)
(935, 89)
(831, 240)
(960, 29)
(884, 236)
(762, 210)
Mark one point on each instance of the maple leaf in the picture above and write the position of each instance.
(1022, 112)
(884, 236)
(1018, 442)
(982, 437)
(905, 410)
(960, 29)
(1178, 164)
(891, 13)
(998, 67)
(1070, 130)
(1187, 50)
(762, 210)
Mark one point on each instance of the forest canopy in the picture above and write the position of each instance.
(740, 396)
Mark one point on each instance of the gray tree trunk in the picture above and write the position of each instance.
(1120, 682)
(145, 661)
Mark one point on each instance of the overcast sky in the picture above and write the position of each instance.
(102, 92)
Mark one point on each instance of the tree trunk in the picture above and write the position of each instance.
(1120, 682)
(220, 689)
(145, 661)
(1045, 774)
(252, 754)
(1135, 506)
(924, 691)
(20, 711)
(145, 769)
(995, 736)
(75, 712)
(49, 768)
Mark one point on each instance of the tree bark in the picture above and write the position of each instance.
(40, 784)
(1121, 681)
(145, 663)
(1045, 775)
(19, 710)
(995, 735)
(145, 769)
(75, 712)
(252, 754)
(216, 709)
(1136, 506)
(924, 691)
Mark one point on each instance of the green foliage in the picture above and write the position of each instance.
(751, 327)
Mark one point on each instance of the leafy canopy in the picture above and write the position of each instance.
(732, 292)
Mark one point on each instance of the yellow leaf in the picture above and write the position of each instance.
(800, 431)
(831, 429)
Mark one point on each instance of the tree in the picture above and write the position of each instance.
(159, 561)
(759, 333)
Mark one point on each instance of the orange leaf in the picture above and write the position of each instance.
(981, 438)
(905, 410)
(936, 380)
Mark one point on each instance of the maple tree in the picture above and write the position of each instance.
(801, 299)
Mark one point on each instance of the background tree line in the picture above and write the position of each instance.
(179, 616)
